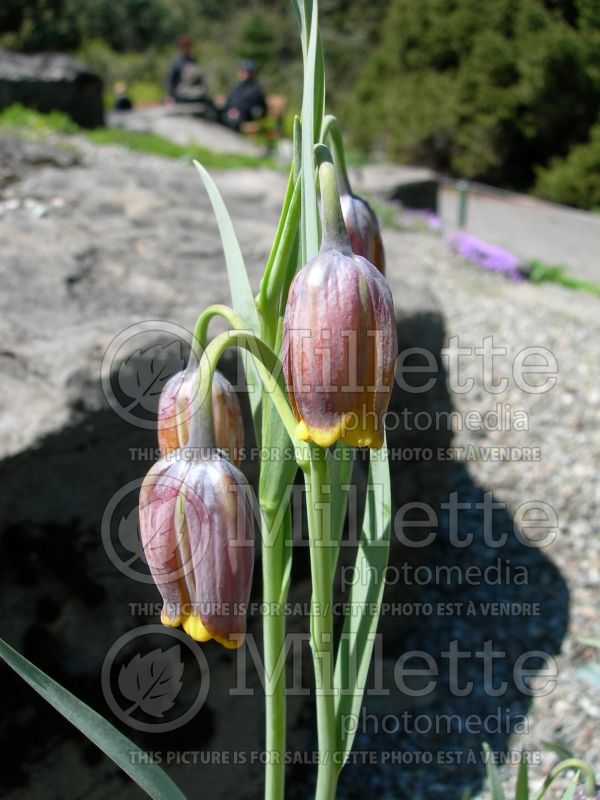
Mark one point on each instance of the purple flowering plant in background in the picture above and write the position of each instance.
(422, 217)
(485, 255)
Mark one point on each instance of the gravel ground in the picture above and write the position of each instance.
(564, 576)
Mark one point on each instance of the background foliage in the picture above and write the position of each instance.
(510, 96)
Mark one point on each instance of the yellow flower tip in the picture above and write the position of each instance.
(346, 430)
(194, 627)
(302, 432)
(323, 437)
(231, 643)
(170, 622)
(372, 439)
(366, 435)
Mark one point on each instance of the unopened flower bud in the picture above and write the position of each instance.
(197, 530)
(363, 229)
(175, 407)
(339, 341)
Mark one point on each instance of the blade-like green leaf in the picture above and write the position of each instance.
(358, 635)
(568, 763)
(590, 673)
(116, 746)
(310, 227)
(239, 285)
(522, 787)
(591, 642)
(319, 90)
(570, 790)
(341, 466)
(496, 790)
(558, 748)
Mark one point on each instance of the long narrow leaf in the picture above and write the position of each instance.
(358, 635)
(590, 673)
(319, 90)
(570, 790)
(239, 285)
(116, 746)
(310, 227)
(559, 749)
(591, 642)
(568, 763)
(495, 784)
(522, 787)
(340, 471)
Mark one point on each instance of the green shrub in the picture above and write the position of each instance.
(575, 179)
(487, 96)
(18, 117)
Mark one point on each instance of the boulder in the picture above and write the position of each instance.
(101, 289)
(52, 82)
(413, 187)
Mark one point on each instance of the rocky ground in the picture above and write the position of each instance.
(98, 239)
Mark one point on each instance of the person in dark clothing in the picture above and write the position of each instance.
(122, 101)
(246, 102)
(185, 82)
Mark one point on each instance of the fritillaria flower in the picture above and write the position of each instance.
(363, 229)
(360, 220)
(175, 408)
(197, 530)
(339, 342)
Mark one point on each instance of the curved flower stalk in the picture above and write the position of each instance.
(359, 218)
(339, 340)
(175, 408)
(196, 514)
(197, 530)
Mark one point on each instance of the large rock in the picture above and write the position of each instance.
(109, 246)
(413, 187)
(102, 280)
(52, 82)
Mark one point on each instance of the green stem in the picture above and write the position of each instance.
(275, 584)
(203, 321)
(270, 372)
(321, 619)
(262, 299)
(273, 287)
(334, 229)
(569, 763)
(331, 130)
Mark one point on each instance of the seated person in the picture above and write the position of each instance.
(122, 101)
(246, 102)
(185, 82)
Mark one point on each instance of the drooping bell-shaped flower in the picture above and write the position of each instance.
(197, 530)
(363, 229)
(175, 408)
(339, 342)
(360, 220)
